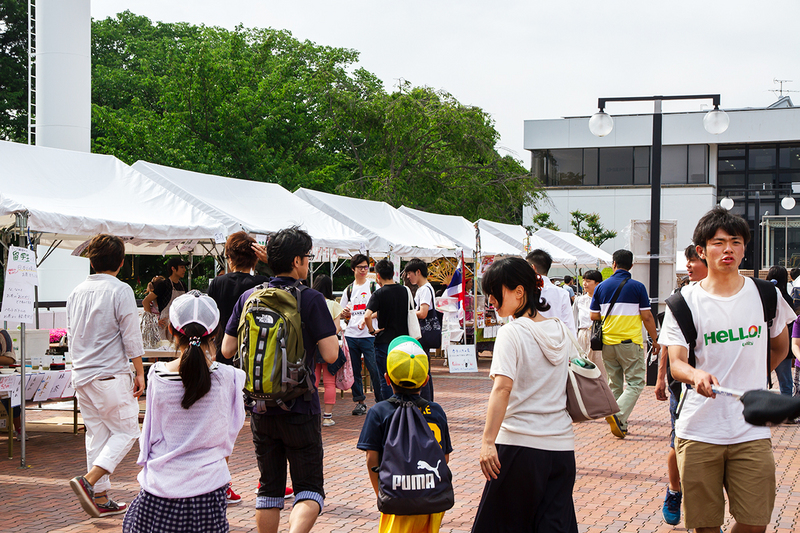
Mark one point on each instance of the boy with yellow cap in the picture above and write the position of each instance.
(407, 373)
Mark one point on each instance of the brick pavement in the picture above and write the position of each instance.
(620, 485)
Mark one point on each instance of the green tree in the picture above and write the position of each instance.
(14, 70)
(542, 220)
(594, 232)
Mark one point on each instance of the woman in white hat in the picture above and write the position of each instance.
(194, 414)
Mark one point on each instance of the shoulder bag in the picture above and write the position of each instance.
(413, 321)
(596, 340)
(588, 394)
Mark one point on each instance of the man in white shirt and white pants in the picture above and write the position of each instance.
(556, 297)
(716, 448)
(104, 337)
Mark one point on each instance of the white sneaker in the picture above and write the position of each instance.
(327, 422)
(18, 435)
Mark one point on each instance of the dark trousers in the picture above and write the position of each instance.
(532, 493)
(381, 351)
(366, 347)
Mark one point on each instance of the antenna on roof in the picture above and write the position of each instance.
(779, 92)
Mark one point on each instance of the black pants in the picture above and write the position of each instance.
(532, 493)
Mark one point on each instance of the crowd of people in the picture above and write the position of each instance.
(195, 406)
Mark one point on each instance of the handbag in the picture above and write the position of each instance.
(430, 327)
(344, 377)
(588, 394)
(413, 321)
(596, 340)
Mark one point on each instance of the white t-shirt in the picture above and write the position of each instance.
(560, 304)
(732, 346)
(424, 295)
(359, 297)
(534, 355)
(581, 312)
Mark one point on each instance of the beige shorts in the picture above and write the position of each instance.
(745, 470)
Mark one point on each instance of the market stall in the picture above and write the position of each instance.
(586, 254)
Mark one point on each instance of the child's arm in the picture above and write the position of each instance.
(372, 462)
(447, 458)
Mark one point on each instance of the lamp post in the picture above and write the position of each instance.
(600, 124)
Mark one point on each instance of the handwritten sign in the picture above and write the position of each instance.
(8, 383)
(461, 358)
(43, 390)
(16, 396)
(60, 384)
(18, 292)
(32, 385)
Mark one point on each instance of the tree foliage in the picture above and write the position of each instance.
(13, 70)
(542, 220)
(259, 104)
(594, 232)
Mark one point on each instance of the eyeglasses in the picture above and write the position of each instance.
(365, 267)
(310, 256)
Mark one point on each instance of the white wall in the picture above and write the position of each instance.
(617, 207)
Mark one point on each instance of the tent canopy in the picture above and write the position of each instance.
(71, 196)
(462, 232)
(258, 206)
(587, 254)
(387, 229)
(517, 236)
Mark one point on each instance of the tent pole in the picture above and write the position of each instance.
(475, 269)
(22, 222)
(191, 268)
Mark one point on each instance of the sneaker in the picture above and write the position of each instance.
(327, 421)
(85, 493)
(672, 508)
(289, 493)
(616, 426)
(111, 508)
(18, 435)
(360, 409)
(231, 496)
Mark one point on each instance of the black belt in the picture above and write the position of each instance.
(627, 341)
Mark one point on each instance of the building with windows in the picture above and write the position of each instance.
(760, 151)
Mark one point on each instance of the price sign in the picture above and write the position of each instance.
(60, 384)
(43, 391)
(34, 380)
(461, 358)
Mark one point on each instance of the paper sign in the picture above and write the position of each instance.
(219, 238)
(60, 384)
(260, 239)
(187, 246)
(69, 390)
(8, 383)
(362, 248)
(15, 396)
(461, 358)
(33, 382)
(43, 390)
(395, 259)
(18, 292)
(21, 266)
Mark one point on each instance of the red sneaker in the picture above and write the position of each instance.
(232, 497)
(289, 493)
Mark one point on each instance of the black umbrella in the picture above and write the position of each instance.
(762, 407)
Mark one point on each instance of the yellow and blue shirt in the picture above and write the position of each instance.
(625, 320)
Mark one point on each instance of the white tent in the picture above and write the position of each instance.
(258, 206)
(70, 196)
(587, 254)
(518, 236)
(387, 229)
(462, 232)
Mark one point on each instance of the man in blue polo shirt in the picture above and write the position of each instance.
(623, 345)
(295, 435)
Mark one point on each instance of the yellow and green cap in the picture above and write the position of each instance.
(406, 363)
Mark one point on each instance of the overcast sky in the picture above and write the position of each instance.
(523, 60)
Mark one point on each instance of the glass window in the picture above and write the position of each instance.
(731, 151)
(790, 157)
(673, 164)
(731, 180)
(728, 165)
(698, 163)
(762, 158)
(616, 166)
(789, 177)
(590, 166)
(641, 165)
(760, 180)
(538, 168)
(566, 166)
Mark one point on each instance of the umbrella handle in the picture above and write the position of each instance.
(716, 389)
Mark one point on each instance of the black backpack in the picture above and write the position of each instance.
(413, 477)
(683, 316)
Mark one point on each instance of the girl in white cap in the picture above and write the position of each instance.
(194, 413)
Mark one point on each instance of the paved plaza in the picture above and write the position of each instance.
(620, 485)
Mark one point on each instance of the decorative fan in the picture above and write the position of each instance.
(442, 270)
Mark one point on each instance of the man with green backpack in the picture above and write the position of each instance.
(276, 331)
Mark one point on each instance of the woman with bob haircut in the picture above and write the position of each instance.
(527, 449)
(195, 411)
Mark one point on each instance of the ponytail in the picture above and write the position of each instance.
(193, 368)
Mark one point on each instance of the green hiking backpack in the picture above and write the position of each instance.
(271, 347)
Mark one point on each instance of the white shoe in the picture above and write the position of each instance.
(327, 422)
(18, 435)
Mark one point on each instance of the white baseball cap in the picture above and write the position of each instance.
(194, 307)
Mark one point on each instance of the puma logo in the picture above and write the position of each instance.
(425, 466)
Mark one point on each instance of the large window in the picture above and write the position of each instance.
(617, 166)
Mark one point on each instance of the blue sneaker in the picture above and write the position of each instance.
(672, 508)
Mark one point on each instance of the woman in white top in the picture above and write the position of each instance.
(194, 414)
(583, 320)
(527, 450)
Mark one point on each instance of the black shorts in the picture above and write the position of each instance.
(293, 437)
(532, 492)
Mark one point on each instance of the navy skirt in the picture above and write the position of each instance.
(205, 513)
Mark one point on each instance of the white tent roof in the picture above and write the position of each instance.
(587, 254)
(387, 228)
(462, 232)
(73, 195)
(258, 206)
(518, 235)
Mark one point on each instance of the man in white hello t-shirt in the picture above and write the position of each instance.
(716, 448)
(359, 341)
